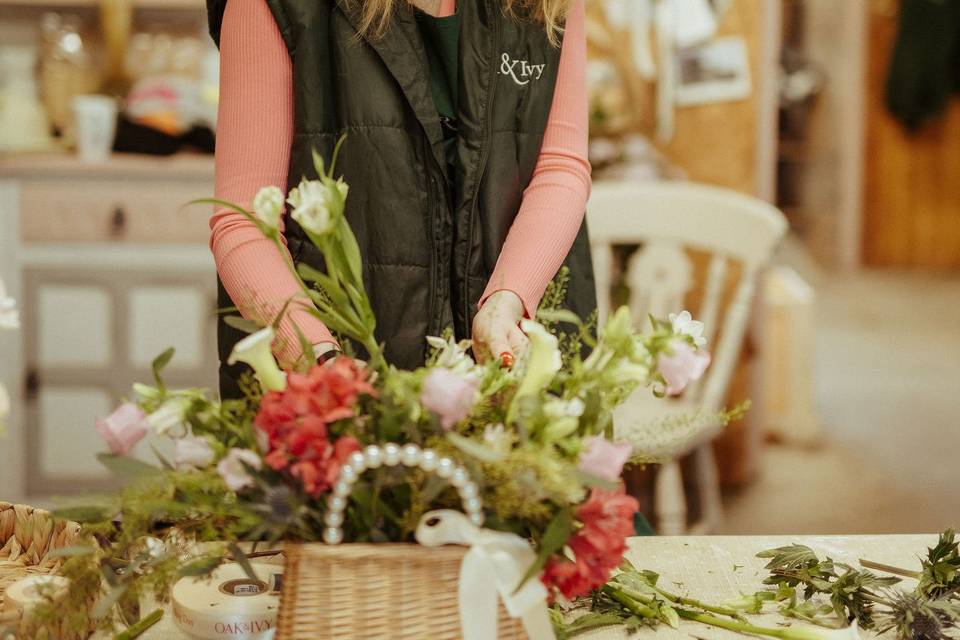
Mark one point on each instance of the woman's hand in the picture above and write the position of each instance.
(496, 327)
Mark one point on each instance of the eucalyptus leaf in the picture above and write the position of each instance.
(554, 537)
(159, 363)
(558, 315)
(127, 467)
(242, 324)
(86, 514)
(71, 551)
(241, 559)
(202, 566)
(473, 448)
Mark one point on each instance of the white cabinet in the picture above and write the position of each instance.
(106, 281)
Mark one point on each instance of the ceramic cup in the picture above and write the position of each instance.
(95, 119)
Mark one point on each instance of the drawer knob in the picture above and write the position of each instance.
(31, 385)
(118, 221)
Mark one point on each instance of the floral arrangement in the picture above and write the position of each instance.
(537, 437)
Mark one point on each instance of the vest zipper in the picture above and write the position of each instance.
(484, 153)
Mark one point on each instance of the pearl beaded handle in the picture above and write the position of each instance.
(392, 455)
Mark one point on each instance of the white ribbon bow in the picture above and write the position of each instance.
(495, 564)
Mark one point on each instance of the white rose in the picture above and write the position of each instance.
(311, 207)
(170, 416)
(267, 206)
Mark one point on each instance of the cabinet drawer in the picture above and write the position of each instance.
(97, 210)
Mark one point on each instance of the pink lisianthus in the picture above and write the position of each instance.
(681, 364)
(448, 394)
(123, 428)
(604, 459)
(231, 468)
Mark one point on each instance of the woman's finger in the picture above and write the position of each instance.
(518, 340)
(499, 343)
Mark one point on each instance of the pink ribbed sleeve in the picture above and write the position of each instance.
(556, 198)
(254, 134)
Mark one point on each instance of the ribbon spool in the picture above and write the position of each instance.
(228, 604)
(392, 455)
(28, 592)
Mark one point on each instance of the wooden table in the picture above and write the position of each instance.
(718, 568)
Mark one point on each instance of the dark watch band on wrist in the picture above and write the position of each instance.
(328, 355)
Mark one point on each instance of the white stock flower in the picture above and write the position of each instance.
(255, 351)
(231, 468)
(498, 438)
(169, 416)
(684, 324)
(311, 206)
(267, 206)
(9, 316)
(192, 452)
(451, 354)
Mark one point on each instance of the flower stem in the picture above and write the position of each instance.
(634, 606)
(690, 602)
(141, 625)
(886, 568)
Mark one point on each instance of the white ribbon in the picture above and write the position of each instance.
(495, 564)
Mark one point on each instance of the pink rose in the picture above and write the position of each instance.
(231, 468)
(123, 428)
(681, 364)
(192, 452)
(604, 459)
(448, 394)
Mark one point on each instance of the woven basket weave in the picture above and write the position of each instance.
(375, 591)
(27, 536)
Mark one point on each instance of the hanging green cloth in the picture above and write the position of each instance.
(925, 65)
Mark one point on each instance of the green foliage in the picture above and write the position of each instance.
(852, 592)
(940, 570)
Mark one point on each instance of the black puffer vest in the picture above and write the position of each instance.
(427, 251)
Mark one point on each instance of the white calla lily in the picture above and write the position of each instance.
(268, 205)
(542, 361)
(254, 350)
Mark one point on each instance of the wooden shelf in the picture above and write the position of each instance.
(189, 165)
(176, 5)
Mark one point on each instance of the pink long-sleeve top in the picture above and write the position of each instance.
(254, 134)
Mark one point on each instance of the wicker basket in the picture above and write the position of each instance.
(375, 591)
(27, 535)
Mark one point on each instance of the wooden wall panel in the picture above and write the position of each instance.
(911, 213)
(718, 143)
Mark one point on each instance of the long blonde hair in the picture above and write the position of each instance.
(375, 14)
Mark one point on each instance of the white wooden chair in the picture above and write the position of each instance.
(665, 218)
